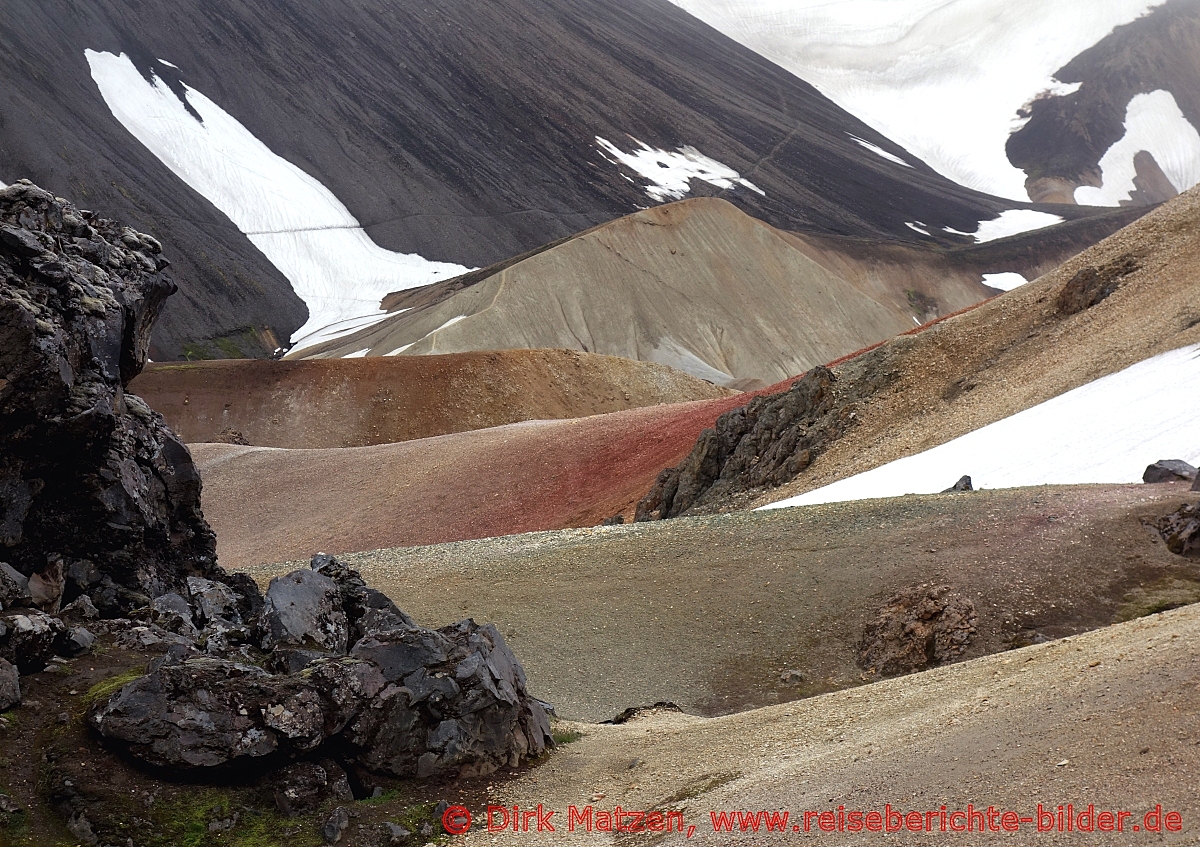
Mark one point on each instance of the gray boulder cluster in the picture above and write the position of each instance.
(328, 668)
(100, 524)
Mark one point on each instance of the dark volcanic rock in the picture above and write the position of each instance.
(1093, 285)
(96, 494)
(408, 701)
(1181, 530)
(1169, 470)
(916, 629)
(303, 787)
(28, 640)
(761, 445)
(962, 485)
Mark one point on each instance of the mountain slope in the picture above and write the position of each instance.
(358, 402)
(433, 135)
(1128, 299)
(703, 287)
(951, 80)
(1128, 134)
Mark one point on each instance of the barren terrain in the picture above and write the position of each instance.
(707, 612)
(1019, 349)
(357, 402)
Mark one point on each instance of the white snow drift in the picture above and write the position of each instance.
(1153, 123)
(877, 150)
(298, 224)
(942, 78)
(1004, 281)
(1011, 222)
(670, 173)
(1107, 431)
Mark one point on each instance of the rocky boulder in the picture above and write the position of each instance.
(1181, 530)
(356, 680)
(1169, 470)
(761, 445)
(918, 628)
(97, 496)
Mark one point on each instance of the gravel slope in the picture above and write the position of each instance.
(1109, 717)
(706, 612)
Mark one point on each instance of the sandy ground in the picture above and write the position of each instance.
(358, 402)
(1109, 718)
(707, 612)
(1016, 351)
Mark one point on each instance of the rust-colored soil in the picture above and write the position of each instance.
(356, 402)
(268, 505)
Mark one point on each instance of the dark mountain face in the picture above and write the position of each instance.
(465, 132)
(1061, 146)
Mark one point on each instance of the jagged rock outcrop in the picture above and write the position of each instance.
(97, 496)
(357, 680)
(918, 628)
(761, 445)
(1181, 529)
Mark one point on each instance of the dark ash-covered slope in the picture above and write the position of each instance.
(1061, 146)
(464, 132)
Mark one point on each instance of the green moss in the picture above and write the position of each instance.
(110, 686)
(382, 800)
(183, 822)
(1160, 596)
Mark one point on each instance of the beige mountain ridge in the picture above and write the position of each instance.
(661, 285)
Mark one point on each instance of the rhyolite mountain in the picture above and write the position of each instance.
(462, 132)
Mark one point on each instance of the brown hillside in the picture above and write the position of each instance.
(357, 402)
(1024, 347)
(269, 504)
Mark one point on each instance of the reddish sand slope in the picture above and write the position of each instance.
(270, 505)
(356, 402)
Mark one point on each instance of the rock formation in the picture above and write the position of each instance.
(359, 682)
(97, 496)
(1181, 529)
(918, 628)
(100, 522)
(1169, 470)
(761, 445)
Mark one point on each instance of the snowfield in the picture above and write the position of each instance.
(942, 78)
(1012, 222)
(1154, 123)
(1107, 431)
(298, 224)
(670, 174)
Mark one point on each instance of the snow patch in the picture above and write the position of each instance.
(1004, 281)
(448, 323)
(1107, 431)
(670, 173)
(298, 224)
(917, 226)
(943, 79)
(1011, 222)
(1154, 123)
(879, 151)
(168, 64)
(360, 354)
